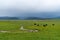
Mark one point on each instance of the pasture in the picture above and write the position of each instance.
(14, 33)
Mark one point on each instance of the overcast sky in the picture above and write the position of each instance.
(30, 7)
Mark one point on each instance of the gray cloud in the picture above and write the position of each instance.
(29, 7)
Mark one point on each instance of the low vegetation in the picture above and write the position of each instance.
(48, 30)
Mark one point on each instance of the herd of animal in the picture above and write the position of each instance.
(35, 30)
(44, 25)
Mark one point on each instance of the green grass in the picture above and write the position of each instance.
(48, 33)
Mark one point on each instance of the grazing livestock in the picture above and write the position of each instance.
(34, 23)
(44, 25)
(53, 24)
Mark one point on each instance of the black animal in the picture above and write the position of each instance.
(35, 24)
(53, 24)
(44, 25)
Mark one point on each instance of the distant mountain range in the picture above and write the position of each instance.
(26, 18)
(8, 18)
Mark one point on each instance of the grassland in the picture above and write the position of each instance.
(48, 33)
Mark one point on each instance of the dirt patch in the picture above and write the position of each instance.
(4, 31)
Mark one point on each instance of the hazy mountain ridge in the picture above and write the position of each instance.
(28, 18)
(9, 18)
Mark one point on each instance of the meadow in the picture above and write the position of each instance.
(13, 26)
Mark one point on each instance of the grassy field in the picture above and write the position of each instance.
(46, 33)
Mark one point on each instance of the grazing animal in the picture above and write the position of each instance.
(44, 25)
(34, 23)
(53, 24)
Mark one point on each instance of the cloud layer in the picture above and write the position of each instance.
(26, 7)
